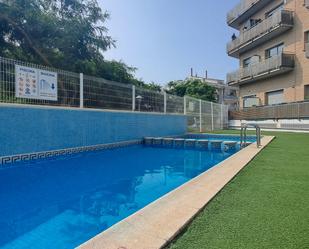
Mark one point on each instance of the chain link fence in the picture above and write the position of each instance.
(83, 91)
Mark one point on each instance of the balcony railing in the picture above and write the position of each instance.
(278, 23)
(272, 66)
(244, 10)
(307, 49)
(282, 111)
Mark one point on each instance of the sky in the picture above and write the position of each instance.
(165, 38)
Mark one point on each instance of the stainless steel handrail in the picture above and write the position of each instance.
(243, 134)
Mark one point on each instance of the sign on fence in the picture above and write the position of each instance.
(35, 83)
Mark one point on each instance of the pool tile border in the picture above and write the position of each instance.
(216, 136)
(154, 226)
(6, 161)
(10, 160)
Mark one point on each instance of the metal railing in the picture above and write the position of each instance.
(205, 116)
(239, 9)
(279, 18)
(281, 61)
(284, 111)
(243, 134)
(81, 91)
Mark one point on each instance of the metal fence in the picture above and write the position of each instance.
(204, 116)
(284, 111)
(82, 91)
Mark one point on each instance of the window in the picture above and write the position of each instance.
(251, 60)
(247, 62)
(306, 92)
(306, 36)
(251, 100)
(307, 43)
(249, 24)
(278, 8)
(274, 51)
(254, 22)
(233, 93)
(274, 97)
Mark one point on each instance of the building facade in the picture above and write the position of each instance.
(272, 46)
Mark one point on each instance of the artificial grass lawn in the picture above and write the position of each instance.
(265, 206)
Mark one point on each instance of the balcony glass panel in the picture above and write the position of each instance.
(279, 63)
(277, 19)
(239, 9)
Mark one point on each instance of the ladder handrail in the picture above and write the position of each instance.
(243, 134)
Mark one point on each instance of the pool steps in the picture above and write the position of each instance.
(189, 143)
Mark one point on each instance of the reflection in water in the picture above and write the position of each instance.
(62, 203)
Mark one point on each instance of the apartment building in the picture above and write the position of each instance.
(272, 45)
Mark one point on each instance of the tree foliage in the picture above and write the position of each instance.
(194, 88)
(66, 34)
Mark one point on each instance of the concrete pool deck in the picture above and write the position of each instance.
(158, 223)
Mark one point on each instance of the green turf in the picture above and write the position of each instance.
(265, 206)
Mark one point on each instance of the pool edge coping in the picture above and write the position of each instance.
(158, 223)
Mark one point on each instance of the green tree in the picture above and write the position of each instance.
(193, 88)
(153, 87)
(66, 34)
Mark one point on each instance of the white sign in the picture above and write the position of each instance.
(48, 85)
(35, 83)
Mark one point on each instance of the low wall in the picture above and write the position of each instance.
(283, 124)
(26, 129)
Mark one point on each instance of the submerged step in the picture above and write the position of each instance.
(202, 144)
(215, 145)
(168, 142)
(179, 142)
(189, 143)
(229, 145)
(157, 141)
(148, 140)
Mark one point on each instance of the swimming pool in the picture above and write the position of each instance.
(62, 202)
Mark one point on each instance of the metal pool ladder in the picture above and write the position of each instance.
(243, 134)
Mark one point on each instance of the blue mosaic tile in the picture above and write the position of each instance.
(7, 160)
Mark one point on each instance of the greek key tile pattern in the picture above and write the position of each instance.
(7, 160)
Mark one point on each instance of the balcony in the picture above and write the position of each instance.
(307, 49)
(278, 23)
(244, 10)
(270, 67)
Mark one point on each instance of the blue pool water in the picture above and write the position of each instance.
(61, 203)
